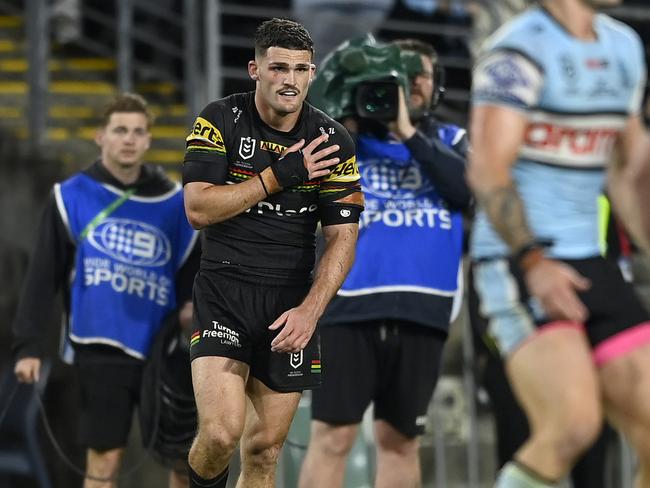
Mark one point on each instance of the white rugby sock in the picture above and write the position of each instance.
(515, 475)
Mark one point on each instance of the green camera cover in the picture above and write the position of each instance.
(355, 61)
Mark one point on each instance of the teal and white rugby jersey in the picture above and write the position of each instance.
(577, 96)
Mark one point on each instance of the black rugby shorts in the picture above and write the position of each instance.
(393, 363)
(232, 314)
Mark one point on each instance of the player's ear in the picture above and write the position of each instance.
(312, 72)
(253, 70)
(99, 136)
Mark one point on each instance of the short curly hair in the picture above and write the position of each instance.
(283, 33)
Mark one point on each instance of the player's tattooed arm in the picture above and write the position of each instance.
(505, 210)
(497, 134)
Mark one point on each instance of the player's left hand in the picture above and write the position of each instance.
(298, 327)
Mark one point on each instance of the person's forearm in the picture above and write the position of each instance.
(497, 195)
(497, 135)
(445, 168)
(333, 267)
(505, 210)
(207, 204)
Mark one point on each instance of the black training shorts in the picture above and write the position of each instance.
(232, 313)
(109, 395)
(392, 363)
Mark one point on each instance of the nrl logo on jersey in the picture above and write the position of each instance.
(247, 147)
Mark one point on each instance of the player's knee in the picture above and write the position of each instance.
(262, 456)
(585, 424)
(582, 435)
(104, 463)
(403, 447)
(218, 437)
(334, 441)
(391, 441)
(575, 432)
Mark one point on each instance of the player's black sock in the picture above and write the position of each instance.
(197, 481)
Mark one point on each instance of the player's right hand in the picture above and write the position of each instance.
(299, 164)
(298, 325)
(555, 285)
(28, 370)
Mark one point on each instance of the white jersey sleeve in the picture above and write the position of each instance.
(507, 77)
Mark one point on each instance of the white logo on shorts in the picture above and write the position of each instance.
(345, 212)
(225, 335)
(295, 359)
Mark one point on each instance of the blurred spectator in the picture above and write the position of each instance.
(66, 19)
(115, 238)
(330, 22)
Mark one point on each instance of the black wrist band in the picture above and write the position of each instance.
(290, 170)
(263, 185)
(519, 254)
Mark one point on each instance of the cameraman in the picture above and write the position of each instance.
(386, 327)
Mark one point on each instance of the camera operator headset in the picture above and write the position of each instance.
(389, 321)
(427, 91)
